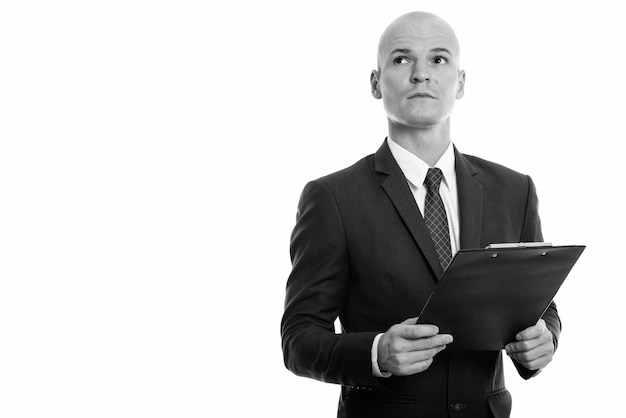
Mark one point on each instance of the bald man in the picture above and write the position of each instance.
(365, 249)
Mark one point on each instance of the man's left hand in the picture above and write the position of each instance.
(533, 347)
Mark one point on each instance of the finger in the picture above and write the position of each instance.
(533, 354)
(401, 350)
(532, 332)
(535, 362)
(526, 345)
(413, 368)
(523, 346)
(417, 356)
(525, 355)
(411, 362)
(421, 344)
(410, 321)
(438, 341)
(405, 346)
(416, 361)
(417, 331)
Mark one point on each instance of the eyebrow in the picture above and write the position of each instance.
(400, 50)
(441, 50)
(406, 50)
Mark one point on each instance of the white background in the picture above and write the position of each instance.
(152, 154)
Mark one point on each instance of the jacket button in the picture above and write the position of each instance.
(456, 406)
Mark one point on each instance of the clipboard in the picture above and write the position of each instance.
(486, 296)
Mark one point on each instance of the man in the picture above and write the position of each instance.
(364, 249)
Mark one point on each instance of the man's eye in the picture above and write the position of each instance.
(400, 60)
(440, 60)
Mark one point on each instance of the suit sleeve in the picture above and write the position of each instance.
(532, 233)
(315, 295)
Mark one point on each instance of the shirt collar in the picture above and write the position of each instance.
(415, 169)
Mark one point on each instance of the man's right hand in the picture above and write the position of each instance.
(408, 348)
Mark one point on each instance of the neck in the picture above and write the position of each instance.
(427, 143)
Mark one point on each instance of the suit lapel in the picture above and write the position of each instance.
(470, 202)
(397, 188)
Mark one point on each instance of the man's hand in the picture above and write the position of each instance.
(534, 348)
(407, 348)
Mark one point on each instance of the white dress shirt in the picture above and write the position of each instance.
(415, 170)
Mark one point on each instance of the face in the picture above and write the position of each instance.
(418, 77)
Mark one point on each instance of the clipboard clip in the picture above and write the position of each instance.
(518, 245)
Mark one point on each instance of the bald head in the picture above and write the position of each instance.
(418, 77)
(414, 25)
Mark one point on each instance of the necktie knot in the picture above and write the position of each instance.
(433, 179)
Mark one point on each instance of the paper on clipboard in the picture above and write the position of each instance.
(486, 296)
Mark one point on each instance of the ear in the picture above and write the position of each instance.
(461, 90)
(374, 84)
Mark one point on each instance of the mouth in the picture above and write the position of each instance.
(421, 95)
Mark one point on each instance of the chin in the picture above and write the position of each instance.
(421, 121)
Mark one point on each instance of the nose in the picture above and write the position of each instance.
(420, 72)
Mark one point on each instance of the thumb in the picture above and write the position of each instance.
(542, 325)
(410, 321)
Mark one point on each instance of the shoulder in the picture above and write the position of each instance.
(494, 173)
(347, 187)
(349, 177)
(356, 170)
(490, 167)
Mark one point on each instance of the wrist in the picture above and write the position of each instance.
(376, 370)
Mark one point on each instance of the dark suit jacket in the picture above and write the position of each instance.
(361, 252)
